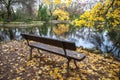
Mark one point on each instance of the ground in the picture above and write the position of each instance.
(15, 65)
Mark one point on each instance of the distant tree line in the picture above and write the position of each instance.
(11, 10)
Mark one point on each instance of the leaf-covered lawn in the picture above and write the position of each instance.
(15, 65)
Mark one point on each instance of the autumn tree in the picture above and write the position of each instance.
(103, 15)
(78, 7)
(61, 15)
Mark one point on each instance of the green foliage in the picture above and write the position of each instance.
(19, 15)
(4, 18)
(42, 13)
(28, 20)
(22, 16)
(43, 30)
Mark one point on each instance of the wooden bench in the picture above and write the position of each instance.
(58, 47)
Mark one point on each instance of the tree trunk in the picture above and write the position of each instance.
(8, 11)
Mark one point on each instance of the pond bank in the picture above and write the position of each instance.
(31, 23)
(21, 24)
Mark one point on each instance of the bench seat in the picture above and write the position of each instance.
(59, 51)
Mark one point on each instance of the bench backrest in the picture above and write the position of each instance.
(49, 41)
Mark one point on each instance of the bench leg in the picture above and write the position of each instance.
(40, 54)
(76, 64)
(31, 53)
(68, 65)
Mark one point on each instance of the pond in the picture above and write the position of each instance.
(85, 37)
(13, 33)
(46, 30)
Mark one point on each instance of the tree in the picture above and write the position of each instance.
(104, 15)
(9, 4)
(2, 11)
(28, 5)
(61, 14)
(42, 13)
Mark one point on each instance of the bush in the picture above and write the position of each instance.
(42, 13)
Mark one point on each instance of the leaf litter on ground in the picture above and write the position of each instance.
(15, 65)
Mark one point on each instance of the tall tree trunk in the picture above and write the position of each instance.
(8, 7)
(9, 11)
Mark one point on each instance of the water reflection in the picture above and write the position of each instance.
(7, 34)
(86, 37)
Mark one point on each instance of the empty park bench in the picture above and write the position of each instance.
(59, 47)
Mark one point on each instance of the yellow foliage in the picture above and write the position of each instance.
(79, 22)
(31, 63)
(68, 2)
(47, 1)
(102, 14)
(18, 70)
(62, 14)
(61, 29)
(57, 1)
(56, 74)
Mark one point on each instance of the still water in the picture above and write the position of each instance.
(14, 33)
(85, 37)
(80, 37)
